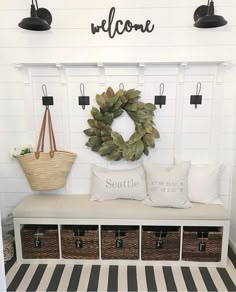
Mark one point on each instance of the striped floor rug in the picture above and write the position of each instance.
(118, 278)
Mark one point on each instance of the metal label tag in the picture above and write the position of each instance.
(119, 243)
(202, 246)
(159, 244)
(37, 243)
(78, 243)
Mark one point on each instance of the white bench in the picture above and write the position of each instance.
(79, 210)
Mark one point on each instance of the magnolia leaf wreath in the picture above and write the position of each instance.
(105, 141)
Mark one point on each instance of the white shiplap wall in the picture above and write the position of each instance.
(203, 135)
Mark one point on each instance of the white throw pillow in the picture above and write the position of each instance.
(108, 184)
(203, 184)
(168, 186)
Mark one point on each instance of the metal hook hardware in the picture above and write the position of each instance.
(162, 88)
(83, 100)
(160, 99)
(82, 89)
(46, 100)
(121, 86)
(197, 99)
(198, 89)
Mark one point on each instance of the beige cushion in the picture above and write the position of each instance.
(79, 206)
(110, 184)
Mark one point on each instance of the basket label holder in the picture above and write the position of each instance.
(202, 245)
(79, 242)
(37, 241)
(159, 242)
(119, 241)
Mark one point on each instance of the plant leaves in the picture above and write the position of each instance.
(134, 138)
(142, 116)
(149, 140)
(118, 113)
(148, 127)
(91, 123)
(92, 132)
(107, 138)
(108, 118)
(139, 147)
(140, 105)
(145, 150)
(115, 155)
(116, 106)
(110, 92)
(107, 148)
(99, 125)
(132, 93)
(117, 139)
(113, 100)
(128, 152)
(140, 130)
(155, 133)
(94, 141)
(150, 107)
(132, 107)
(101, 101)
(96, 114)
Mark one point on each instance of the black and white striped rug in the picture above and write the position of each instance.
(118, 278)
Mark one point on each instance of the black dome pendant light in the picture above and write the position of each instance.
(39, 19)
(204, 16)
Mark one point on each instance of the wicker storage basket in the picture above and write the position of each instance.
(80, 242)
(46, 173)
(40, 242)
(120, 242)
(160, 243)
(202, 244)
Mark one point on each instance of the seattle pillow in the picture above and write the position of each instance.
(108, 184)
(203, 184)
(168, 186)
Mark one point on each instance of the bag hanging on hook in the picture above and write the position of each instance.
(47, 170)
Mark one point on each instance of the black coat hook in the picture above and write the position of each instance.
(83, 100)
(197, 98)
(160, 99)
(46, 100)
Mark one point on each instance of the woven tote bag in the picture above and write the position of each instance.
(47, 170)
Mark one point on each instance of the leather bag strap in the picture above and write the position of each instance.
(52, 141)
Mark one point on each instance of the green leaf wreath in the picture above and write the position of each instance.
(105, 141)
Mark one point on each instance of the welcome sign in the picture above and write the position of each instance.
(113, 27)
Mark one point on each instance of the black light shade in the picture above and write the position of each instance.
(39, 19)
(204, 17)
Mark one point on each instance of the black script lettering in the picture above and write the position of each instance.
(119, 27)
(95, 28)
(110, 21)
(148, 22)
(128, 26)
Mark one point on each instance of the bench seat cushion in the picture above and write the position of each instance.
(79, 206)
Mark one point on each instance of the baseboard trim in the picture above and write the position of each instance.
(232, 253)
